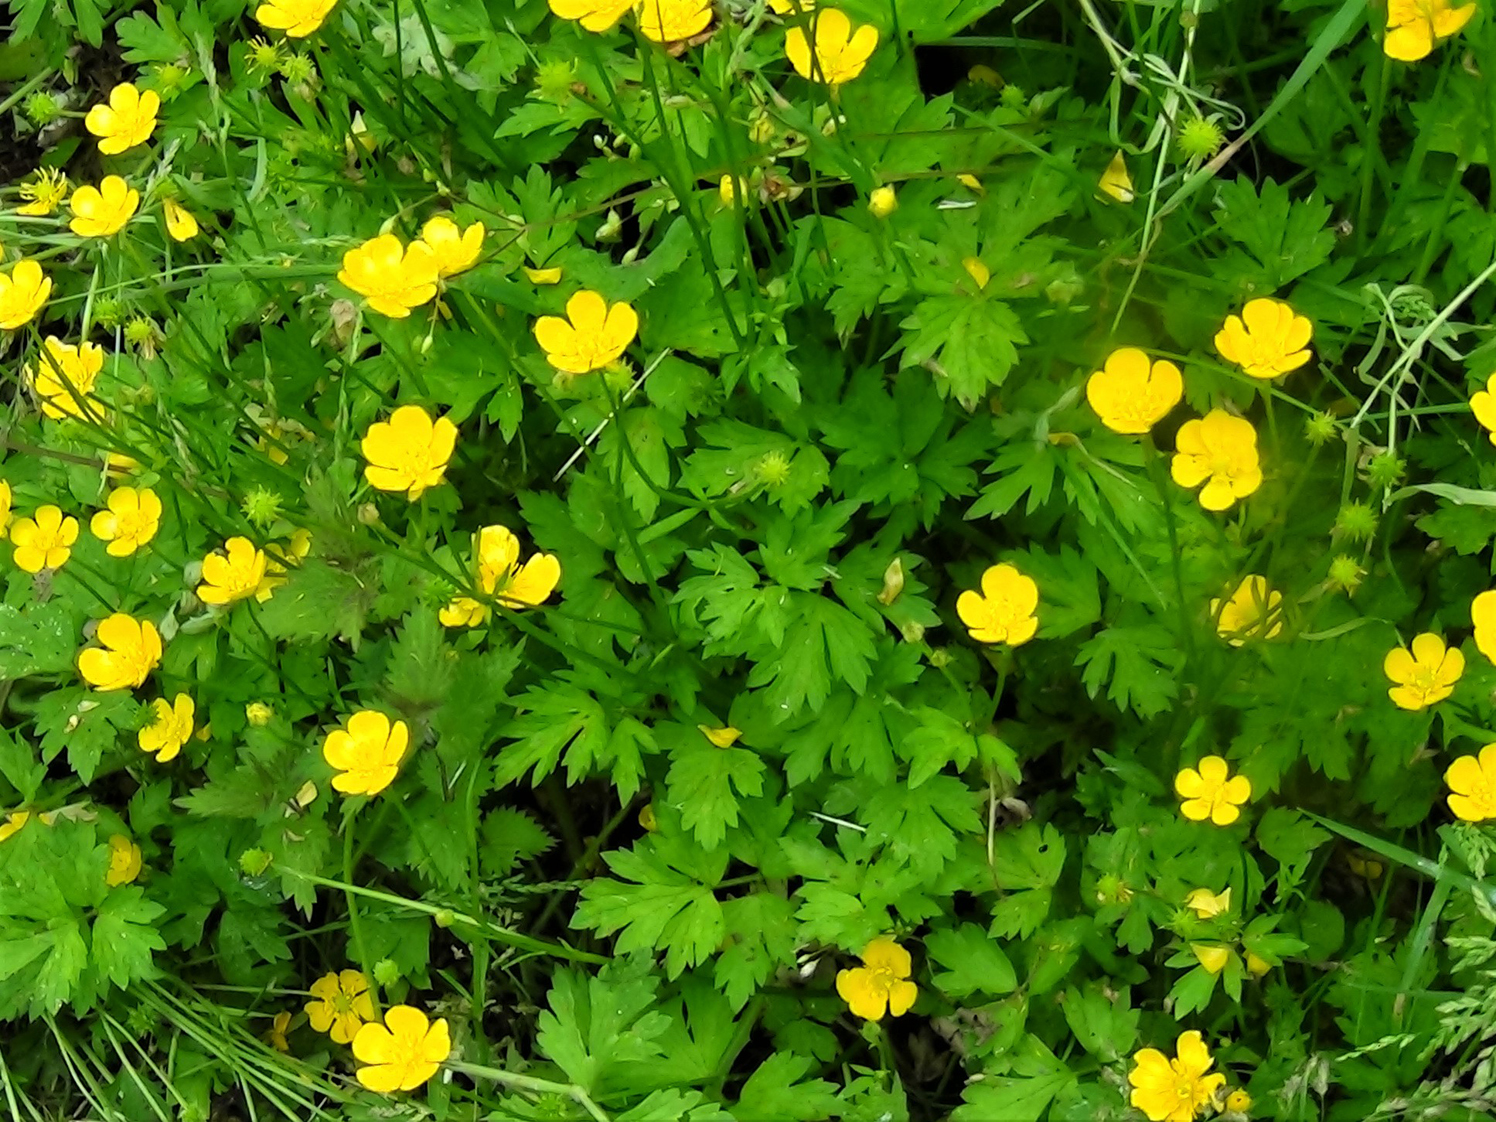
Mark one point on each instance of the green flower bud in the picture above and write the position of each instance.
(1355, 522)
(1345, 574)
(386, 973)
(773, 469)
(254, 862)
(42, 108)
(1386, 469)
(262, 506)
(1319, 429)
(1200, 139)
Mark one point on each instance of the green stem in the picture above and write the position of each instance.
(351, 901)
(531, 1083)
(1372, 152)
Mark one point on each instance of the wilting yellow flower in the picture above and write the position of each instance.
(647, 820)
(180, 223)
(170, 728)
(592, 335)
(409, 452)
(883, 201)
(1415, 26)
(1426, 675)
(124, 861)
(128, 650)
(880, 984)
(367, 753)
(258, 714)
(11, 825)
(275, 1035)
(127, 120)
(594, 15)
(1211, 792)
(392, 279)
(544, 276)
(297, 18)
(44, 194)
(130, 522)
(1207, 904)
(456, 250)
(236, 573)
(1116, 182)
(1213, 959)
(342, 1005)
(1003, 612)
(724, 737)
(1483, 404)
(22, 293)
(1483, 615)
(65, 376)
(45, 540)
(1252, 612)
(840, 53)
(1131, 393)
(1239, 1101)
(1174, 1090)
(1472, 785)
(977, 271)
(1220, 451)
(402, 1053)
(668, 21)
(1267, 340)
(101, 211)
(1257, 966)
(728, 188)
(527, 586)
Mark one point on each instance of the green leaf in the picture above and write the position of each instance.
(1286, 238)
(509, 837)
(20, 767)
(1289, 839)
(1022, 1097)
(600, 1030)
(420, 671)
(1141, 662)
(1028, 862)
(778, 1089)
(86, 723)
(973, 963)
(701, 783)
(557, 718)
(1103, 1020)
(36, 639)
(970, 344)
(124, 935)
(761, 940)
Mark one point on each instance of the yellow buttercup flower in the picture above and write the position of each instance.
(44, 194)
(1239, 1101)
(258, 714)
(297, 18)
(839, 53)
(275, 1035)
(791, 7)
(1003, 612)
(180, 224)
(131, 520)
(977, 270)
(393, 279)
(65, 377)
(1426, 675)
(1220, 451)
(12, 824)
(594, 15)
(128, 650)
(669, 21)
(342, 1005)
(880, 984)
(883, 201)
(409, 452)
(1175, 1090)
(170, 728)
(45, 540)
(1213, 959)
(1132, 393)
(1483, 405)
(724, 737)
(1207, 904)
(1414, 27)
(527, 586)
(592, 335)
(402, 1053)
(99, 212)
(127, 120)
(22, 293)
(5, 509)
(367, 753)
(1252, 612)
(1257, 966)
(1472, 786)
(1267, 340)
(1211, 792)
(1115, 181)
(124, 861)
(236, 573)
(1483, 615)
(456, 250)
(543, 276)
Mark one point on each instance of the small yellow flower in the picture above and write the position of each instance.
(1220, 451)
(1257, 966)
(367, 753)
(1267, 340)
(1209, 793)
(1415, 26)
(456, 250)
(544, 276)
(1426, 675)
(1115, 180)
(647, 820)
(275, 1036)
(1239, 1101)
(131, 520)
(342, 1005)
(180, 223)
(12, 823)
(594, 15)
(880, 984)
(971, 183)
(1472, 785)
(1483, 615)
(392, 279)
(1483, 405)
(977, 271)
(128, 650)
(1207, 904)
(297, 18)
(170, 728)
(99, 212)
(527, 586)
(724, 737)
(1003, 612)
(409, 452)
(124, 861)
(44, 194)
(22, 293)
(402, 1053)
(1252, 612)
(669, 21)
(1174, 1090)
(883, 201)
(235, 573)
(45, 540)
(5, 507)
(791, 7)
(127, 120)
(65, 377)
(1131, 393)
(593, 334)
(839, 53)
(1212, 959)
(258, 714)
